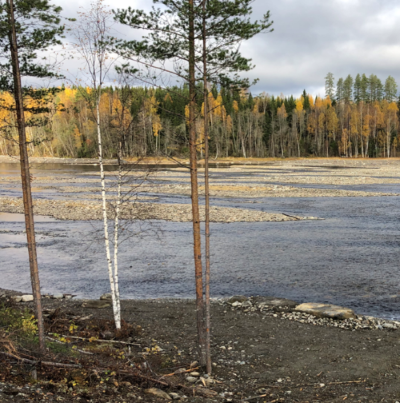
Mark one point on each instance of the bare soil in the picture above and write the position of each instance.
(256, 358)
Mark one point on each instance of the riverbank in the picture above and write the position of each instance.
(260, 356)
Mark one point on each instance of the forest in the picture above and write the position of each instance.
(356, 118)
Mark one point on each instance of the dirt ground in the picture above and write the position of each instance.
(257, 358)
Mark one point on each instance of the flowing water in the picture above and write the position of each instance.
(351, 258)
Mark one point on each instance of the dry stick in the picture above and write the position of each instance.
(46, 363)
(178, 373)
(60, 342)
(25, 177)
(102, 341)
(255, 397)
(207, 201)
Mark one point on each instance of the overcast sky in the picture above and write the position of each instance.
(310, 39)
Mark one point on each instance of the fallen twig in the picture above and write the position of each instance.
(179, 372)
(77, 349)
(254, 398)
(341, 383)
(46, 363)
(101, 340)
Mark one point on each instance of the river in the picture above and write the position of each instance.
(351, 258)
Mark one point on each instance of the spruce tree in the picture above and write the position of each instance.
(364, 88)
(357, 89)
(339, 90)
(348, 89)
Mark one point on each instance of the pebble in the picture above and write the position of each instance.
(191, 379)
(358, 322)
(158, 393)
(194, 373)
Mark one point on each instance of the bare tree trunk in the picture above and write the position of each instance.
(207, 201)
(105, 218)
(25, 177)
(116, 234)
(195, 190)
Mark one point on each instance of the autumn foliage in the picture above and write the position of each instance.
(154, 121)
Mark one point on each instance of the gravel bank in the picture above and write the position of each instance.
(90, 210)
(261, 191)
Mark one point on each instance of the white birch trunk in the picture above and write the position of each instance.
(105, 220)
(116, 233)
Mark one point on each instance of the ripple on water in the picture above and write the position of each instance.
(349, 259)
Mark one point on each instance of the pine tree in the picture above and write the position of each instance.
(357, 89)
(348, 89)
(330, 86)
(27, 27)
(390, 89)
(339, 90)
(364, 85)
(306, 102)
(222, 26)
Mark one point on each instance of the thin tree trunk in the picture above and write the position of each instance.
(207, 201)
(116, 234)
(195, 191)
(25, 177)
(105, 218)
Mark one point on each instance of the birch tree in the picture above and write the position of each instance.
(91, 32)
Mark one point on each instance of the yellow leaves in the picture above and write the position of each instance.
(229, 124)
(187, 114)
(72, 328)
(282, 112)
(92, 339)
(156, 125)
(299, 105)
(393, 107)
(235, 106)
(168, 98)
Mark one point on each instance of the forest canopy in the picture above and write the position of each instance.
(356, 117)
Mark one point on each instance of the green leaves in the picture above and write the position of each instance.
(38, 27)
(227, 23)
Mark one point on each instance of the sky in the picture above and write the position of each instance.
(310, 39)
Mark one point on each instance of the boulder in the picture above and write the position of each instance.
(158, 393)
(272, 301)
(96, 304)
(58, 296)
(326, 311)
(16, 298)
(237, 298)
(106, 297)
(27, 298)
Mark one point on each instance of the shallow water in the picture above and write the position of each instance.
(349, 259)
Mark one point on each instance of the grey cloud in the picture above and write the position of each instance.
(311, 38)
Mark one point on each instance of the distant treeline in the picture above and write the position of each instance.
(356, 118)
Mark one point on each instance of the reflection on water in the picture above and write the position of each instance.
(349, 259)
